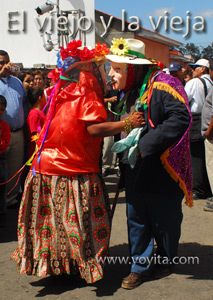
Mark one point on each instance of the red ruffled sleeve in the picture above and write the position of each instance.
(5, 137)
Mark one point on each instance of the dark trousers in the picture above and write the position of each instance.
(3, 178)
(201, 185)
(152, 214)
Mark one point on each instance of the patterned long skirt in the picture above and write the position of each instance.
(64, 223)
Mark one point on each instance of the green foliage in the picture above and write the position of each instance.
(190, 48)
(195, 51)
(207, 52)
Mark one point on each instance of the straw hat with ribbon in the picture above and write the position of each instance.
(129, 51)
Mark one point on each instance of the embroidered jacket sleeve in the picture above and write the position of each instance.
(171, 119)
(5, 137)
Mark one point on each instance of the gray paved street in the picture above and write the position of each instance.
(190, 281)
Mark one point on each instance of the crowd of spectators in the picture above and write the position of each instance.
(22, 100)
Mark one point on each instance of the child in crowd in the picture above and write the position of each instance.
(27, 79)
(38, 79)
(36, 117)
(4, 143)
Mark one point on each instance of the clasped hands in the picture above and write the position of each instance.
(137, 119)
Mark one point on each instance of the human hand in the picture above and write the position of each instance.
(111, 99)
(137, 119)
(6, 69)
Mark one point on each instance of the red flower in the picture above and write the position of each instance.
(64, 53)
(101, 49)
(73, 45)
(72, 48)
(86, 54)
(54, 75)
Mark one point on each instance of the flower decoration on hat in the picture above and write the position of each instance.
(101, 50)
(75, 53)
(119, 47)
(54, 75)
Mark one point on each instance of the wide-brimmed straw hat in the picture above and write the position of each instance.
(129, 51)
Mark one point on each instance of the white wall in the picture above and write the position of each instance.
(23, 42)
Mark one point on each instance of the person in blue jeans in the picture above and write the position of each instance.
(155, 185)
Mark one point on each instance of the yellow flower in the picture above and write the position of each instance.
(119, 47)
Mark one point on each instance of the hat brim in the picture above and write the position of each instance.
(193, 66)
(128, 60)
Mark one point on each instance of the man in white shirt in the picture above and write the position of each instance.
(197, 89)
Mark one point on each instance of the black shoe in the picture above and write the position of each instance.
(132, 281)
(105, 173)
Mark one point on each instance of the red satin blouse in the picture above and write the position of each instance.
(69, 149)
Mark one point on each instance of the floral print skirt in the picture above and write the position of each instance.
(64, 223)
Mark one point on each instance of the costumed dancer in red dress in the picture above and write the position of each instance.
(64, 218)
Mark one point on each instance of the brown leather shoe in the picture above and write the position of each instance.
(131, 281)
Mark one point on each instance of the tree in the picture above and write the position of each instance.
(207, 52)
(190, 48)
